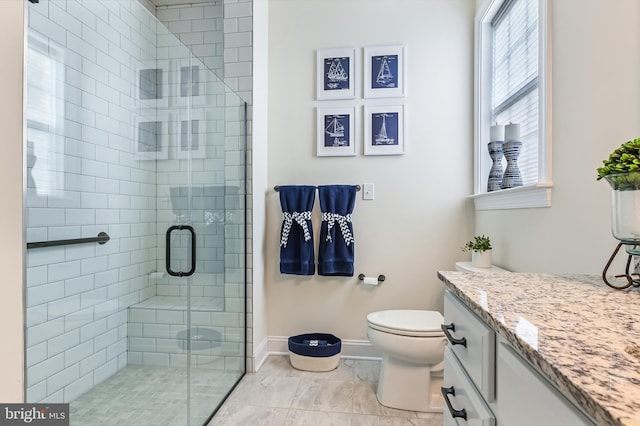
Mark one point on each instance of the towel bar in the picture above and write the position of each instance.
(277, 188)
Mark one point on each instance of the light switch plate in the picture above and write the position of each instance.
(367, 193)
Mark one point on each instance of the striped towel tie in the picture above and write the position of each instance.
(332, 218)
(301, 219)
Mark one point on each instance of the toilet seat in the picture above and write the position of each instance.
(406, 322)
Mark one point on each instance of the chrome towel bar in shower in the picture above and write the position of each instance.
(102, 238)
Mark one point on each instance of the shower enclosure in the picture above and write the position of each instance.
(135, 212)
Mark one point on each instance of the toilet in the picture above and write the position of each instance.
(412, 345)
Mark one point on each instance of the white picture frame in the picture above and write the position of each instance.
(151, 138)
(336, 73)
(197, 149)
(385, 130)
(182, 135)
(385, 72)
(152, 88)
(336, 131)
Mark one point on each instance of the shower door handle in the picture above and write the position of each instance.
(193, 251)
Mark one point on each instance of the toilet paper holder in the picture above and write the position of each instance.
(381, 278)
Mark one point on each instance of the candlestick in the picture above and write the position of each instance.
(512, 132)
(496, 133)
(496, 173)
(511, 177)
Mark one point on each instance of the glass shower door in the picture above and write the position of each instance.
(201, 228)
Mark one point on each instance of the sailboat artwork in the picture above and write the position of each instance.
(387, 130)
(384, 71)
(336, 74)
(335, 133)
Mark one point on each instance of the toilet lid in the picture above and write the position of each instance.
(407, 322)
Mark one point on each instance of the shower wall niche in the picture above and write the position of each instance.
(129, 134)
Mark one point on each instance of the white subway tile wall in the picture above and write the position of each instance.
(86, 175)
(198, 26)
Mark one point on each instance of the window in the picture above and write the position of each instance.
(45, 118)
(511, 71)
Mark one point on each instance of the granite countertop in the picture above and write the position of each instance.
(580, 334)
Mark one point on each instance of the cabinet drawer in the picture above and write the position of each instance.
(525, 398)
(461, 397)
(473, 342)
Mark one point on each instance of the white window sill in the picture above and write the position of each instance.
(524, 197)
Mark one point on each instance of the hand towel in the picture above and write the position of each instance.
(336, 249)
(296, 238)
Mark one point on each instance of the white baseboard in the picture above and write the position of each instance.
(260, 354)
(354, 349)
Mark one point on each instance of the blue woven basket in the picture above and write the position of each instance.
(315, 351)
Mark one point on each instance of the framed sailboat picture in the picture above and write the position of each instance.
(336, 131)
(384, 130)
(384, 72)
(336, 73)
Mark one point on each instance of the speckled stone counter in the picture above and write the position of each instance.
(581, 335)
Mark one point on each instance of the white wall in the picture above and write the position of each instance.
(420, 216)
(11, 164)
(257, 318)
(596, 105)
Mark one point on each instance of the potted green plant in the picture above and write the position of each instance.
(480, 248)
(622, 171)
(622, 167)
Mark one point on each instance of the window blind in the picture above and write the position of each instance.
(515, 77)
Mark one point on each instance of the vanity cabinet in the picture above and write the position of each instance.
(488, 383)
(528, 399)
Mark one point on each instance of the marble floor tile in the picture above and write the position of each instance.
(344, 396)
(370, 420)
(265, 391)
(324, 395)
(317, 418)
(364, 399)
(249, 415)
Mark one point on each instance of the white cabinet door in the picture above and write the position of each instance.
(473, 342)
(447, 420)
(463, 404)
(527, 399)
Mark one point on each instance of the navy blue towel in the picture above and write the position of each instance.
(296, 238)
(336, 250)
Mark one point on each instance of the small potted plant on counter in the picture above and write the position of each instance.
(480, 248)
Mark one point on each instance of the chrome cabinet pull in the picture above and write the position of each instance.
(445, 328)
(193, 251)
(454, 413)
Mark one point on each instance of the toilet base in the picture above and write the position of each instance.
(413, 388)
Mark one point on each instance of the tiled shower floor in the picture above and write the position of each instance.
(146, 395)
